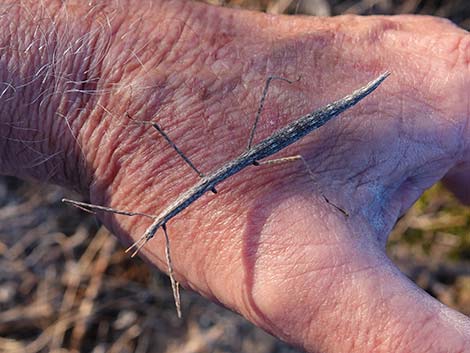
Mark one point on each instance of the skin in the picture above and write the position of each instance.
(267, 245)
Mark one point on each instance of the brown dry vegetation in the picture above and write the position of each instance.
(67, 286)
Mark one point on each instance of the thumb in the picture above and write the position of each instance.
(340, 293)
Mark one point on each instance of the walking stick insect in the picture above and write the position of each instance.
(279, 140)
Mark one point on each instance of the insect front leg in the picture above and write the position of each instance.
(261, 105)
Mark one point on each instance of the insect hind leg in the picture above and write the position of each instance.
(296, 158)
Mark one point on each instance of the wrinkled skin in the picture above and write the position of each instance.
(267, 245)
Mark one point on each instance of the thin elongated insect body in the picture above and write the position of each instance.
(279, 140)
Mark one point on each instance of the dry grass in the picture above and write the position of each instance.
(67, 286)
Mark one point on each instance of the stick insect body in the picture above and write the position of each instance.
(269, 146)
(279, 140)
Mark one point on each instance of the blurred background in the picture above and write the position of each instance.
(67, 286)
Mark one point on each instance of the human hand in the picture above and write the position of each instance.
(267, 245)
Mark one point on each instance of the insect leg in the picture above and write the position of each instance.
(309, 171)
(178, 151)
(261, 105)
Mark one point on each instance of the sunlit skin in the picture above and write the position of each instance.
(267, 245)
